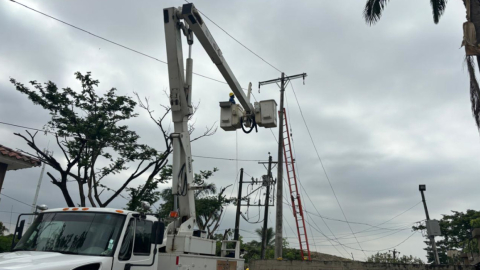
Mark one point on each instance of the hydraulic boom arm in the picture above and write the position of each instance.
(187, 21)
(191, 15)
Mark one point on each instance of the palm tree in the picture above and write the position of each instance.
(270, 236)
(373, 12)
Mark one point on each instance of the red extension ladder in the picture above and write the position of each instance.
(294, 192)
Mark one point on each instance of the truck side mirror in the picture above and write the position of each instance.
(19, 229)
(158, 229)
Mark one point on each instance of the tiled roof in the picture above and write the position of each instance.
(8, 152)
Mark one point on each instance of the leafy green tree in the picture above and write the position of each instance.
(5, 243)
(253, 248)
(387, 257)
(456, 231)
(374, 10)
(150, 192)
(209, 202)
(95, 143)
(290, 253)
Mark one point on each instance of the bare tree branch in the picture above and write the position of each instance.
(208, 132)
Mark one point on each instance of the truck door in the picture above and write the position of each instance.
(136, 245)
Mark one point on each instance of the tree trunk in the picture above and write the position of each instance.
(63, 187)
(90, 195)
(82, 194)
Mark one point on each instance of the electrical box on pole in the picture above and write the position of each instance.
(433, 228)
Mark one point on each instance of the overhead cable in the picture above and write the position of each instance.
(323, 167)
(261, 58)
(229, 159)
(377, 250)
(108, 40)
(29, 205)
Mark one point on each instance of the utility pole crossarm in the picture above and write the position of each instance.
(191, 15)
(302, 75)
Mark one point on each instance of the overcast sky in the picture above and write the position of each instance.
(387, 106)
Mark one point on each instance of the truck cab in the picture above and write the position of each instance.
(98, 239)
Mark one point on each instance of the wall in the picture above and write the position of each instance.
(325, 265)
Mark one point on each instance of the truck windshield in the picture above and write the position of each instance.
(81, 233)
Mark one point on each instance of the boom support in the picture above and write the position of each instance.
(187, 21)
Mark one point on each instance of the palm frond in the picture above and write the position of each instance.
(373, 10)
(474, 90)
(438, 7)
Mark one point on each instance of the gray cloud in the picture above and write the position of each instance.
(387, 106)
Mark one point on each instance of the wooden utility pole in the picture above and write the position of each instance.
(267, 182)
(279, 209)
(239, 202)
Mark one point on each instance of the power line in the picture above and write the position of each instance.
(299, 180)
(36, 129)
(108, 40)
(307, 213)
(88, 32)
(377, 249)
(247, 174)
(29, 205)
(373, 232)
(341, 254)
(323, 167)
(380, 237)
(369, 229)
(328, 227)
(261, 58)
(333, 219)
(206, 157)
(42, 130)
(384, 233)
(352, 222)
(403, 228)
(12, 212)
(229, 159)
